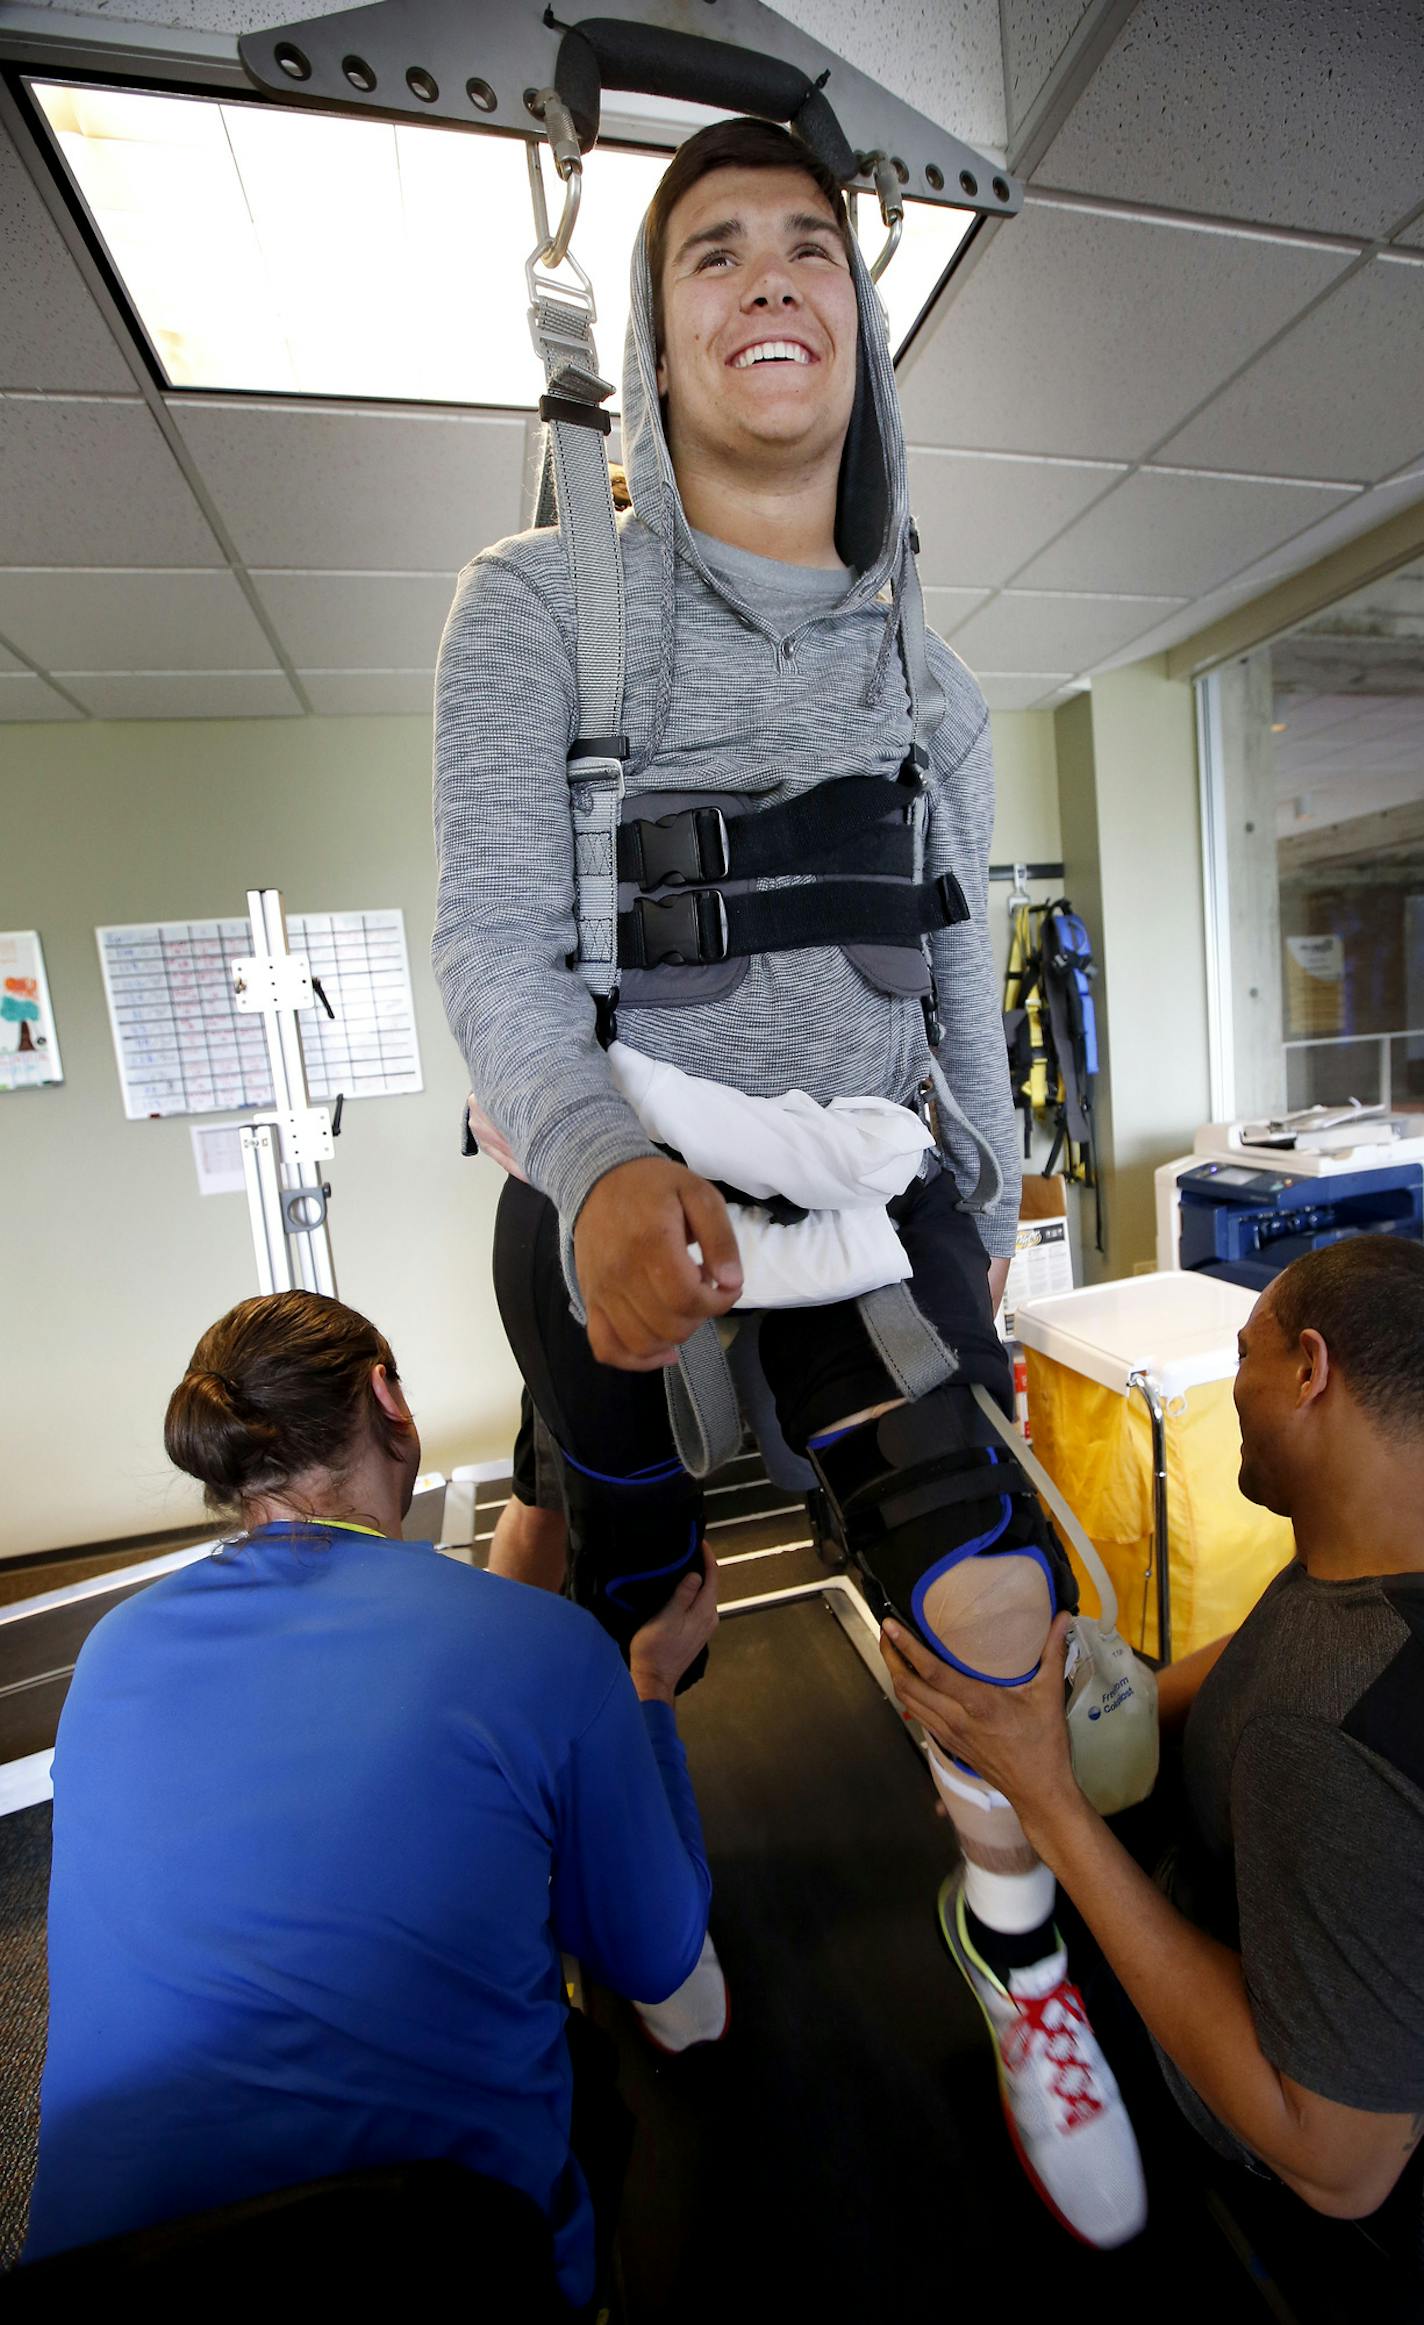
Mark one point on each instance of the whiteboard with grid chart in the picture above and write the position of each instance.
(183, 1048)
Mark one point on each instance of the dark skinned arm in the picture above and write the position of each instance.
(1189, 1990)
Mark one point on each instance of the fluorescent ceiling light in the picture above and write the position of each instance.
(317, 254)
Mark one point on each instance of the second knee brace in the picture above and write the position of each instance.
(920, 1490)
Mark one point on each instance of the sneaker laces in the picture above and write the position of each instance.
(1053, 2021)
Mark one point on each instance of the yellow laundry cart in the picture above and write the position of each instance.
(1129, 1400)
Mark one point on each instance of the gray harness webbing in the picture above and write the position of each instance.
(562, 329)
(702, 1400)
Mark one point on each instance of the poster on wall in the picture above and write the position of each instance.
(29, 1045)
(183, 1047)
(1315, 985)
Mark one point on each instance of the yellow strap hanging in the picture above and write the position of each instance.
(1027, 995)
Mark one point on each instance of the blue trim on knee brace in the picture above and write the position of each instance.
(824, 1437)
(957, 1558)
(657, 1473)
(614, 1585)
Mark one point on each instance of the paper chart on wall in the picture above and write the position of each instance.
(29, 1045)
(183, 1048)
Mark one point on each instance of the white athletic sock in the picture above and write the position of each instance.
(1012, 1903)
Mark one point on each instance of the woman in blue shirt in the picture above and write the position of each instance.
(328, 1807)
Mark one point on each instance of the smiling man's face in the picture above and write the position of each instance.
(760, 324)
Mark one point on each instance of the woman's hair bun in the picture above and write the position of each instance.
(213, 1433)
(277, 1388)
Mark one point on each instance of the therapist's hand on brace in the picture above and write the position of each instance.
(668, 1645)
(643, 1290)
(1016, 1738)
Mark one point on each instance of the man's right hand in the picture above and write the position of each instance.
(643, 1291)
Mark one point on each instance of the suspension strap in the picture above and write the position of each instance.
(702, 1404)
(562, 313)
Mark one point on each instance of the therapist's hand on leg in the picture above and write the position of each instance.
(665, 1647)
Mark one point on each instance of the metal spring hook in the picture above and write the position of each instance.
(549, 107)
(892, 209)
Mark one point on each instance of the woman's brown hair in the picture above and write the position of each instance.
(278, 1387)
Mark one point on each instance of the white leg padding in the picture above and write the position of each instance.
(1012, 1903)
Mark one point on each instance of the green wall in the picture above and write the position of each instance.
(113, 1262)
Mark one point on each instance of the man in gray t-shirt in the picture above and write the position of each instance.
(1283, 1980)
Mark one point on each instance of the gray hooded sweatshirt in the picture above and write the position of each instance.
(746, 679)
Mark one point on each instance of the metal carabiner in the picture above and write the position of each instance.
(892, 209)
(549, 108)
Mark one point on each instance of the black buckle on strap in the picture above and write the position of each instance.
(952, 899)
(690, 929)
(574, 415)
(689, 845)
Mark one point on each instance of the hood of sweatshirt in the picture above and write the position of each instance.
(873, 516)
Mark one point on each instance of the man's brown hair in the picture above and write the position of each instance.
(745, 144)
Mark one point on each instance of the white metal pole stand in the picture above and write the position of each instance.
(281, 1152)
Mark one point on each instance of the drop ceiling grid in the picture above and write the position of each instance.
(344, 523)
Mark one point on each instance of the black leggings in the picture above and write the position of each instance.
(635, 1516)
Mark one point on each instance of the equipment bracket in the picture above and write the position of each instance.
(272, 981)
(286, 1199)
(477, 63)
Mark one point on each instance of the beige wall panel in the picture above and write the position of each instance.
(117, 1263)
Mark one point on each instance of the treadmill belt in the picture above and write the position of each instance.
(842, 2155)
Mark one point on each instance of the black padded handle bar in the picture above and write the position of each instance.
(605, 52)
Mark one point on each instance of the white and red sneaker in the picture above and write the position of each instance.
(1064, 2111)
(698, 2010)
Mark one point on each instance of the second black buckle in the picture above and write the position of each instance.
(686, 930)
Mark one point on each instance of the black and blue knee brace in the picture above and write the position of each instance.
(631, 1540)
(920, 1490)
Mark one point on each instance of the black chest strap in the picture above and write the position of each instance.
(698, 926)
(861, 814)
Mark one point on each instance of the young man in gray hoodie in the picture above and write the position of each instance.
(770, 659)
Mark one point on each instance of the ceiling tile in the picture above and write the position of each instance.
(981, 515)
(94, 484)
(1340, 396)
(334, 693)
(1038, 631)
(1036, 32)
(1358, 514)
(27, 697)
(945, 609)
(322, 486)
(942, 56)
(1017, 689)
(1294, 112)
(355, 621)
(52, 334)
(116, 620)
(1172, 534)
(182, 693)
(1091, 333)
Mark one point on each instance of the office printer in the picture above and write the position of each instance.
(1253, 1196)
